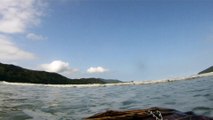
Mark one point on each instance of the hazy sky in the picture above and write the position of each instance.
(117, 39)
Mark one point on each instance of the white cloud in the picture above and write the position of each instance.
(9, 51)
(35, 37)
(96, 70)
(18, 15)
(57, 66)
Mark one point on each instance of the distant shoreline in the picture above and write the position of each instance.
(113, 84)
(174, 79)
(16, 74)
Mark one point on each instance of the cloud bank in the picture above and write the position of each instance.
(96, 70)
(17, 15)
(57, 66)
(9, 51)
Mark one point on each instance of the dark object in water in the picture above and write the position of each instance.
(148, 114)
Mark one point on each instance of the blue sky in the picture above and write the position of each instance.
(126, 40)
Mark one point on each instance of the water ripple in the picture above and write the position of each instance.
(69, 103)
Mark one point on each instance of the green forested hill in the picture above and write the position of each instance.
(12, 73)
(210, 69)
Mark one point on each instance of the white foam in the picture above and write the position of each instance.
(172, 79)
(23, 84)
(40, 115)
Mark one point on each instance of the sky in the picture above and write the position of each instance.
(112, 39)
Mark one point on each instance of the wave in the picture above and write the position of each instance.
(113, 84)
(173, 79)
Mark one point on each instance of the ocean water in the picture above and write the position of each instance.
(40, 102)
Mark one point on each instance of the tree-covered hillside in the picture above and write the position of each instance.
(210, 69)
(12, 73)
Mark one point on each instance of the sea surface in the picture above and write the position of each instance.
(42, 102)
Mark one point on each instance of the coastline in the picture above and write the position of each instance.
(173, 79)
(114, 84)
